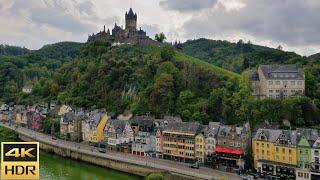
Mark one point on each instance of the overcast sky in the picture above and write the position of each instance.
(293, 24)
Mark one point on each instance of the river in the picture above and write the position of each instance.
(57, 168)
(53, 167)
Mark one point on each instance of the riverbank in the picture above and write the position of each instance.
(137, 165)
(55, 167)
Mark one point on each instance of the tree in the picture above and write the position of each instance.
(155, 176)
(245, 63)
(167, 53)
(160, 37)
(162, 94)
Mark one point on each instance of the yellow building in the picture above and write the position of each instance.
(286, 148)
(263, 144)
(64, 109)
(179, 141)
(200, 147)
(275, 152)
(97, 134)
(18, 117)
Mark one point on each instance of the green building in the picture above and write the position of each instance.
(304, 152)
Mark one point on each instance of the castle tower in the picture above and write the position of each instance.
(131, 20)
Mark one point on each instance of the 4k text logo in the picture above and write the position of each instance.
(20, 160)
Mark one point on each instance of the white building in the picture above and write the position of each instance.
(278, 81)
(27, 89)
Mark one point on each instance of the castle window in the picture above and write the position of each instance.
(270, 82)
(277, 82)
(299, 83)
(293, 83)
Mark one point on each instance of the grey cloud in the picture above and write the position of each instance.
(293, 22)
(54, 17)
(86, 7)
(151, 29)
(53, 13)
(187, 5)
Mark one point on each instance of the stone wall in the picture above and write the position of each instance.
(104, 162)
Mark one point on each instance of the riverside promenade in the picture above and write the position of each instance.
(108, 159)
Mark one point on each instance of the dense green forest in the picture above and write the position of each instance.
(6, 50)
(157, 80)
(239, 56)
(32, 67)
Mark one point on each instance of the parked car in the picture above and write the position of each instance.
(195, 165)
(249, 177)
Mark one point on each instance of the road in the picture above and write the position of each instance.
(162, 164)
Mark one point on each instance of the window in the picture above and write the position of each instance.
(277, 82)
(270, 82)
(283, 150)
(299, 83)
(267, 145)
(277, 149)
(285, 83)
(290, 151)
(270, 91)
(293, 83)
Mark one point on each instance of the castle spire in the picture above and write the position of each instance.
(108, 32)
(104, 28)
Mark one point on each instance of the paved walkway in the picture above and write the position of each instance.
(162, 164)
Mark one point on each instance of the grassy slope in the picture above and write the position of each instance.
(207, 65)
(190, 59)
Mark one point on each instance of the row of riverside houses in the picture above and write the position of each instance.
(287, 154)
(219, 146)
(29, 116)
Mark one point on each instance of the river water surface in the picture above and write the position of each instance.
(53, 167)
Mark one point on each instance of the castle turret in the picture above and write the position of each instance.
(131, 20)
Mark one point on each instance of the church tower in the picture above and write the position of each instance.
(131, 20)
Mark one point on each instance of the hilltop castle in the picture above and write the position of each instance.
(129, 35)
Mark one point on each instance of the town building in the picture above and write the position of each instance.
(27, 89)
(70, 125)
(37, 122)
(275, 153)
(64, 109)
(93, 128)
(211, 133)
(159, 142)
(315, 159)
(278, 81)
(144, 143)
(179, 141)
(119, 135)
(129, 35)
(305, 140)
(200, 147)
(232, 144)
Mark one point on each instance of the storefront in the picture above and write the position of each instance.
(229, 159)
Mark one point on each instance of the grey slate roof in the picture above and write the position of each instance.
(311, 134)
(271, 134)
(68, 117)
(118, 125)
(183, 127)
(269, 70)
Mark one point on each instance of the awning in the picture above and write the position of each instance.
(229, 151)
